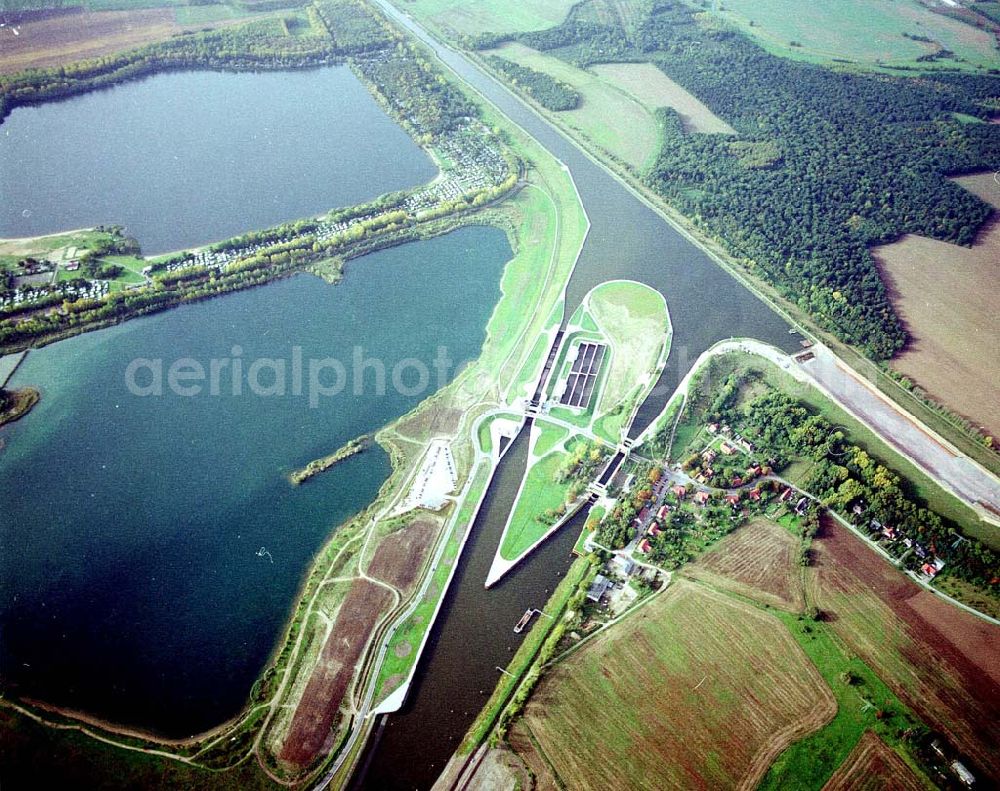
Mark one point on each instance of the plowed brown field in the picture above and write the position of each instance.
(401, 554)
(311, 731)
(940, 660)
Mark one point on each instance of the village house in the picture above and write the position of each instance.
(733, 499)
(701, 498)
(598, 588)
(654, 530)
(645, 547)
(713, 428)
(785, 495)
(680, 492)
(662, 513)
(755, 495)
(709, 456)
(727, 449)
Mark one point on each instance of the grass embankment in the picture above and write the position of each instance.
(536, 649)
(317, 466)
(15, 404)
(541, 494)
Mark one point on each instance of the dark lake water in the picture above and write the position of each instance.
(130, 581)
(188, 158)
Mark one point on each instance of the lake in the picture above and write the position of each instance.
(132, 583)
(188, 158)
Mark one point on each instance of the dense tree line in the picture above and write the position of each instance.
(415, 93)
(548, 92)
(826, 163)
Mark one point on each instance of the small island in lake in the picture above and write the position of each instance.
(15, 404)
(326, 462)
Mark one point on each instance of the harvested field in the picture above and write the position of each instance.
(401, 555)
(759, 561)
(311, 732)
(873, 766)
(940, 660)
(78, 34)
(650, 86)
(938, 290)
(694, 691)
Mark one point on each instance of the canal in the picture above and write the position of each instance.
(474, 632)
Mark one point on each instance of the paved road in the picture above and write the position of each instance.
(965, 478)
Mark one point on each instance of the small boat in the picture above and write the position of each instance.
(524, 620)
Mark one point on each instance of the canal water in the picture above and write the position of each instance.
(187, 158)
(152, 545)
(475, 633)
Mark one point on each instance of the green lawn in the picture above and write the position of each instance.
(540, 493)
(204, 14)
(549, 437)
(864, 31)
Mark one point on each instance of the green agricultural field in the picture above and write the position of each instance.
(490, 16)
(607, 116)
(863, 31)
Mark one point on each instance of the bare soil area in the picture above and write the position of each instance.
(79, 35)
(312, 730)
(401, 555)
(949, 299)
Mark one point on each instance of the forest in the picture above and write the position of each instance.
(548, 92)
(826, 162)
